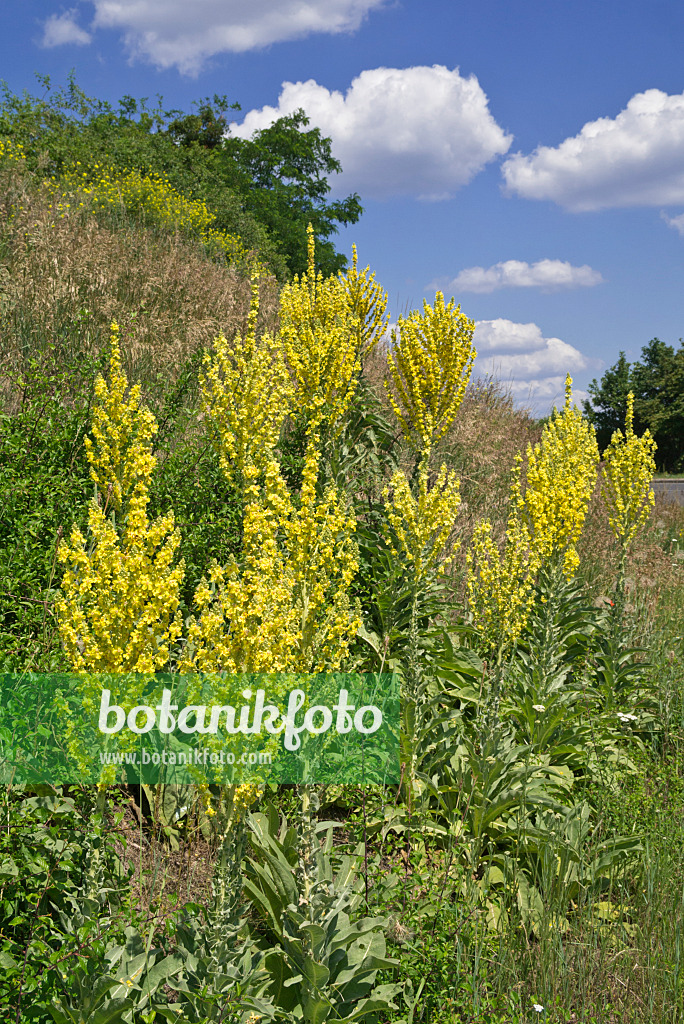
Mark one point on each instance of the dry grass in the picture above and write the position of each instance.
(64, 279)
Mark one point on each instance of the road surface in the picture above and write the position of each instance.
(672, 489)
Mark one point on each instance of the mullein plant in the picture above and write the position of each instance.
(327, 327)
(246, 393)
(119, 608)
(429, 365)
(561, 475)
(500, 587)
(543, 528)
(626, 477)
(367, 302)
(284, 605)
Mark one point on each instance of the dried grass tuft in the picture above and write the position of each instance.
(64, 279)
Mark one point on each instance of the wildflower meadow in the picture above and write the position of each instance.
(263, 478)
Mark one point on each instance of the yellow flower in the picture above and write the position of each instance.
(118, 608)
(626, 479)
(367, 302)
(325, 327)
(285, 605)
(561, 474)
(429, 368)
(500, 586)
(156, 201)
(246, 393)
(423, 526)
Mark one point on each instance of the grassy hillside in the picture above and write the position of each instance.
(529, 865)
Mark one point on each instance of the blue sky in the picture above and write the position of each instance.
(525, 156)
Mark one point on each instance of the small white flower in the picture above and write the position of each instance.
(626, 718)
(538, 707)
(538, 1007)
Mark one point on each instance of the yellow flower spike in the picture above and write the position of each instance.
(323, 337)
(561, 474)
(627, 474)
(429, 369)
(423, 526)
(500, 587)
(368, 302)
(118, 608)
(286, 606)
(246, 392)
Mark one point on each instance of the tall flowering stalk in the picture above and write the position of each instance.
(119, 604)
(247, 393)
(500, 587)
(423, 524)
(367, 301)
(626, 479)
(561, 474)
(325, 324)
(543, 527)
(283, 605)
(429, 367)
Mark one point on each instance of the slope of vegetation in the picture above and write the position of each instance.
(529, 865)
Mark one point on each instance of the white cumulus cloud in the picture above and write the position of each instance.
(675, 222)
(533, 366)
(60, 29)
(634, 159)
(549, 275)
(422, 131)
(175, 33)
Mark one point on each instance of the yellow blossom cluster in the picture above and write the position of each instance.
(120, 454)
(367, 301)
(245, 619)
(501, 588)
(118, 608)
(11, 152)
(322, 553)
(323, 335)
(239, 799)
(149, 195)
(244, 796)
(429, 365)
(285, 605)
(423, 526)
(561, 474)
(246, 392)
(626, 479)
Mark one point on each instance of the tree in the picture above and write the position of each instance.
(657, 381)
(287, 170)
